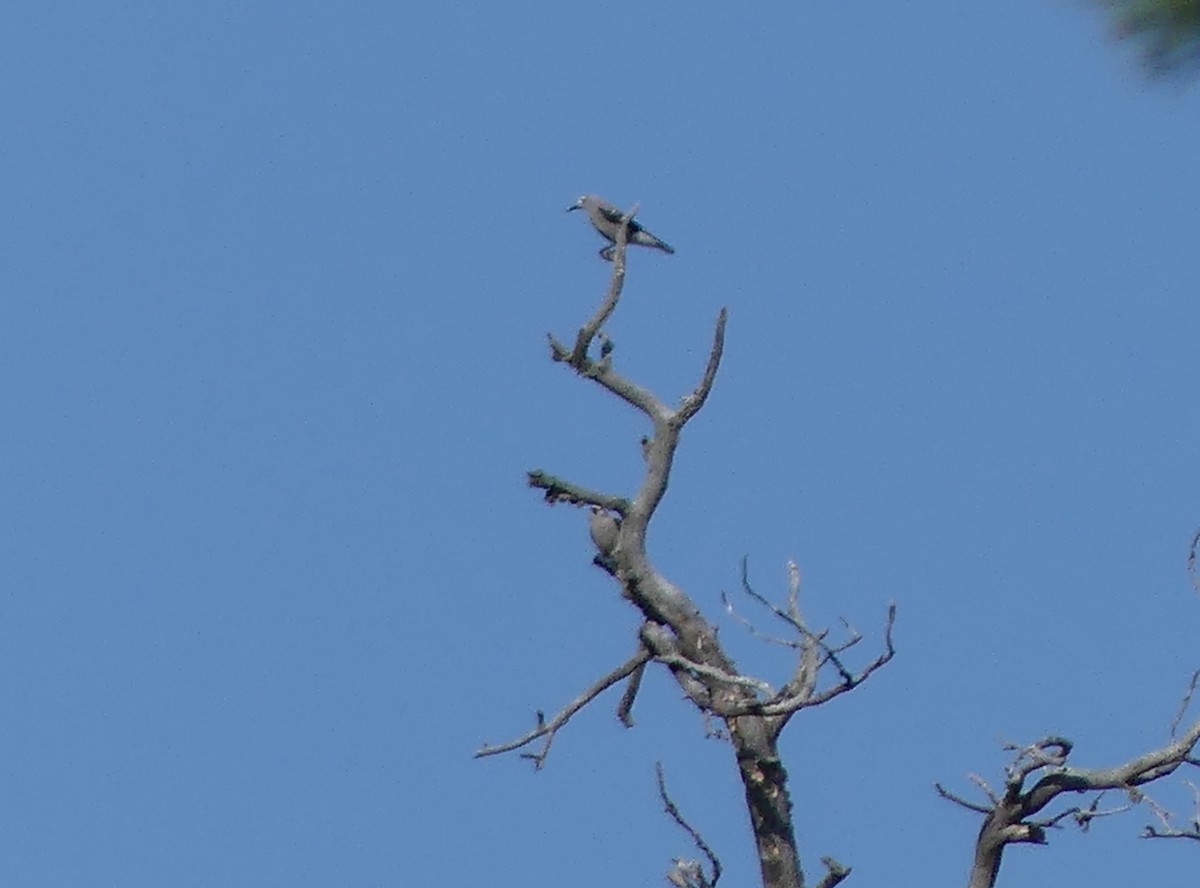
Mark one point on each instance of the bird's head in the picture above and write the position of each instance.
(579, 204)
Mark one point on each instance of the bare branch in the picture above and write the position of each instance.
(1136, 772)
(815, 652)
(794, 590)
(1047, 752)
(713, 862)
(834, 873)
(588, 331)
(548, 729)
(761, 636)
(692, 403)
(1191, 560)
(804, 677)
(1084, 816)
(625, 707)
(791, 617)
(831, 653)
(665, 650)
(1152, 832)
(559, 490)
(1185, 703)
(1011, 819)
(1168, 830)
(849, 680)
(987, 789)
(746, 681)
(602, 373)
(959, 800)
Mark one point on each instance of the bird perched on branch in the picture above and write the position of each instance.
(604, 531)
(606, 219)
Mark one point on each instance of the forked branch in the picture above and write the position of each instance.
(1013, 816)
(631, 669)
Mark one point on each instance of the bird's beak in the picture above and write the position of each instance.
(573, 206)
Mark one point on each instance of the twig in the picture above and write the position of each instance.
(1191, 560)
(983, 784)
(793, 589)
(753, 630)
(548, 729)
(697, 839)
(792, 619)
(1165, 817)
(959, 800)
(793, 704)
(625, 707)
(1185, 703)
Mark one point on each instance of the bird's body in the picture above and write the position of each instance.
(606, 219)
(604, 530)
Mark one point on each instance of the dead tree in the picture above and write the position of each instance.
(1015, 815)
(673, 631)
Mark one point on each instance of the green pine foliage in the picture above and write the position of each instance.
(1167, 30)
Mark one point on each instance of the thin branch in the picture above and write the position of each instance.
(1168, 831)
(795, 619)
(815, 651)
(548, 729)
(681, 662)
(1191, 560)
(1047, 752)
(625, 707)
(692, 403)
(751, 628)
(831, 653)
(959, 800)
(1185, 703)
(849, 682)
(559, 490)
(603, 374)
(588, 331)
(791, 618)
(794, 590)
(697, 839)
(1084, 816)
(1011, 818)
(1153, 832)
(987, 789)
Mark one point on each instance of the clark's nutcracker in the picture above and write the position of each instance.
(607, 219)
(604, 530)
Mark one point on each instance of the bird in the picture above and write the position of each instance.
(606, 219)
(604, 531)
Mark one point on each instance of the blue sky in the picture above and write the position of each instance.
(272, 364)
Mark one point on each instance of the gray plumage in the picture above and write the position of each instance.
(606, 219)
(604, 530)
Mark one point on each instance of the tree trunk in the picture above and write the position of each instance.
(764, 780)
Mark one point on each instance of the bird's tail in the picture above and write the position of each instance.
(646, 239)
